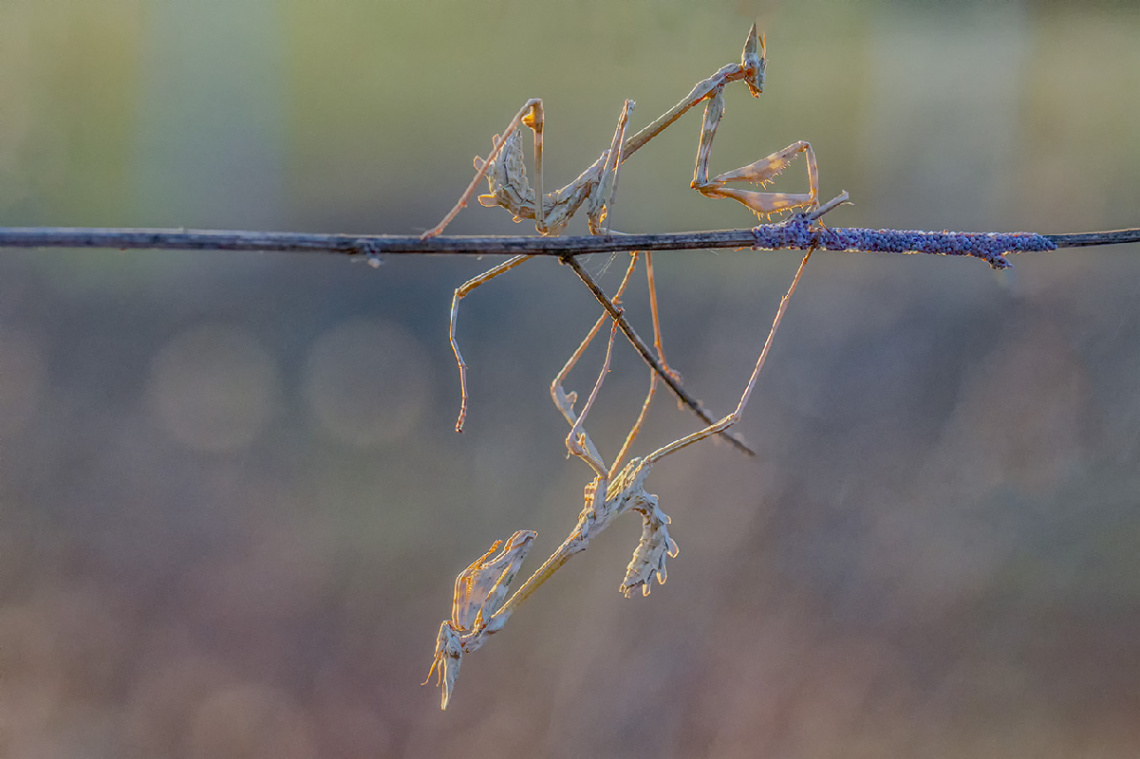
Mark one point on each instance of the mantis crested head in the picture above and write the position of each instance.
(753, 62)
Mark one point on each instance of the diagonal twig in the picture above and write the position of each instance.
(639, 345)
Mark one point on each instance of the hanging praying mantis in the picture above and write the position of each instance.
(480, 605)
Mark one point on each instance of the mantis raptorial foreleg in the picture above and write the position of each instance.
(531, 115)
(761, 172)
(505, 171)
(600, 199)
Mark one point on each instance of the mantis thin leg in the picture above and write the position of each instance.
(636, 428)
(653, 377)
(460, 293)
(565, 401)
(656, 318)
(734, 417)
(536, 122)
(578, 442)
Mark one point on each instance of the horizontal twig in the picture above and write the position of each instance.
(383, 245)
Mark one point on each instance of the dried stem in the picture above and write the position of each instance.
(385, 245)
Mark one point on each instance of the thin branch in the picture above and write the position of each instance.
(649, 358)
(1085, 239)
(384, 245)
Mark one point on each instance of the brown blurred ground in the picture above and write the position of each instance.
(231, 504)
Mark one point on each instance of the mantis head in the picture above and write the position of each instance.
(753, 62)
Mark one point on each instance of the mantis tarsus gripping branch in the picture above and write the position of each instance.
(481, 605)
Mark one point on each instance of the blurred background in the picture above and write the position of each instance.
(232, 505)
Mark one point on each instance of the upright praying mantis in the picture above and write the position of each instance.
(480, 605)
(596, 187)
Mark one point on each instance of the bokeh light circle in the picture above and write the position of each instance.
(213, 388)
(366, 382)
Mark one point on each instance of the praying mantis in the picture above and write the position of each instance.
(482, 603)
(596, 187)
